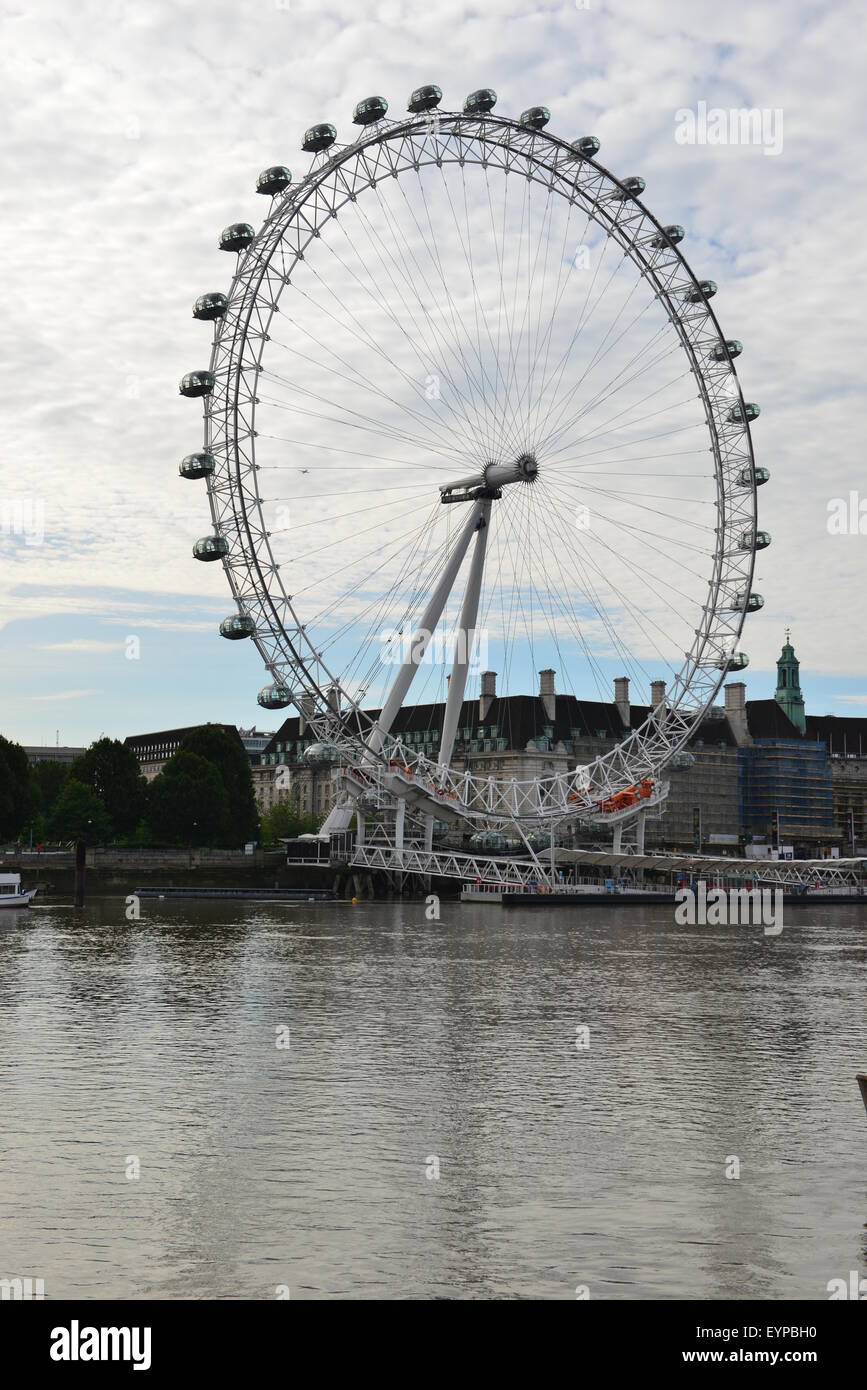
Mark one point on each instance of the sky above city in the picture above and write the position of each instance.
(134, 133)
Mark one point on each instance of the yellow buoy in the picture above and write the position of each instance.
(354, 902)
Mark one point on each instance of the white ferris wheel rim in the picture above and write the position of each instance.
(390, 149)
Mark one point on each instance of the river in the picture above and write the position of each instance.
(250, 1101)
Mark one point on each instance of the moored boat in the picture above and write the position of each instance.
(12, 894)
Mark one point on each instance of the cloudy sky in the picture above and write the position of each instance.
(134, 133)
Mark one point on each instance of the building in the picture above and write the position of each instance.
(154, 750)
(751, 773)
(53, 753)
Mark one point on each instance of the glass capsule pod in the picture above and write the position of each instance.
(745, 477)
(274, 697)
(749, 603)
(750, 412)
(210, 306)
(536, 117)
(669, 236)
(317, 138)
(369, 110)
(322, 754)
(587, 146)
(721, 352)
(706, 289)
(761, 541)
(739, 662)
(238, 626)
(211, 548)
(236, 236)
(197, 384)
(197, 466)
(683, 759)
(424, 99)
(633, 187)
(485, 99)
(273, 180)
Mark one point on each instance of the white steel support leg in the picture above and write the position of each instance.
(639, 832)
(424, 632)
(465, 638)
(618, 837)
(398, 829)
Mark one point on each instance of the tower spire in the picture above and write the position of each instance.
(788, 693)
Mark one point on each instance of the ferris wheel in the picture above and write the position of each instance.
(465, 386)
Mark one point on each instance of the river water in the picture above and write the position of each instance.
(414, 1046)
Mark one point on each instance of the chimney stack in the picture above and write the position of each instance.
(547, 693)
(736, 711)
(488, 694)
(657, 693)
(305, 705)
(621, 699)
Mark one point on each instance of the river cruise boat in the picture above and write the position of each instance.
(12, 894)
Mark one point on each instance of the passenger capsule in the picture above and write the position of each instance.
(536, 117)
(197, 466)
(721, 352)
(738, 662)
(586, 147)
(749, 603)
(683, 759)
(274, 697)
(236, 237)
(322, 754)
(317, 138)
(706, 289)
(237, 626)
(633, 187)
(274, 180)
(424, 99)
(210, 306)
(669, 236)
(485, 99)
(750, 412)
(370, 110)
(197, 384)
(761, 542)
(745, 477)
(211, 548)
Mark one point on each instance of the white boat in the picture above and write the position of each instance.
(11, 893)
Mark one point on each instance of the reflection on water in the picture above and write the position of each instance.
(307, 1166)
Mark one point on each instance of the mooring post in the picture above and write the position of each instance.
(80, 864)
(861, 1078)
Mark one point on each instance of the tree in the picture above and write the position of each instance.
(229, 757)
(188, 803)
(16, 789)
(48, 779)
(112, 770)
(79, 815)
(285, 820)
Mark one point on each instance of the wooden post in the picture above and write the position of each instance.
(80, 862)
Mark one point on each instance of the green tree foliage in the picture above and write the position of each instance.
(48, 778)
(112, 771)
(188, 803)
(285, 820)
(16, 789)
(79, 815)
(230, 758)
